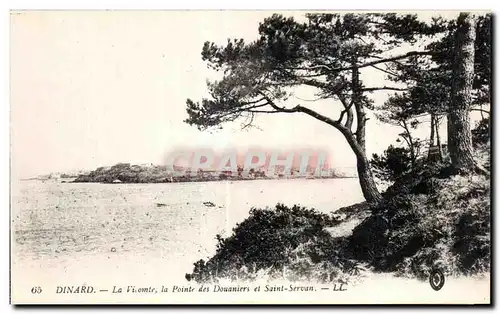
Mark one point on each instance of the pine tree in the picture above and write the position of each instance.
(459, 128)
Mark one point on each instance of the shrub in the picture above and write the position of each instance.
(285, 242)
(448, 227)
(392, 164)
(430, 219)
(481, 133)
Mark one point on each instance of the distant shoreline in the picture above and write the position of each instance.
(219, 180)
(192, 181)
(126, 173)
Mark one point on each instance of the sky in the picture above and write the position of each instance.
(94, 88)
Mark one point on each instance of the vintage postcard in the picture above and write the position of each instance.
(250, 157)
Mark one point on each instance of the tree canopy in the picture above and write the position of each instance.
(327, 52)
(321, 52)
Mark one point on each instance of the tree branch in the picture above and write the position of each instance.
(373, 89)
(264, 111)
(363, 65)
(309, 112)
(253, 102)
(383, 70)
(249, 123)
(480, 110)
(348, 110)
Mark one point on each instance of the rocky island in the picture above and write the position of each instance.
(127, 173)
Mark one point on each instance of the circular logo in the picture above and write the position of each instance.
(436, 280)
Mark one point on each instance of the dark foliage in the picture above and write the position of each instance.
(429, 220)
(472, 243)
(481, 133)
(392, 164)
(391, 234)
(271, 240)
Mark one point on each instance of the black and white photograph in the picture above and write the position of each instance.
(250, 157)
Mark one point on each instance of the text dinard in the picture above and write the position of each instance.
(190, 289)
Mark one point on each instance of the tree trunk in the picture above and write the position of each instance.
(410, 143)
(357, 143)
(459, 131)
(430, 154)
(365, 176)
(433, 128)
(438, 138)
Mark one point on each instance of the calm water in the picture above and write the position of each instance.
(80, 227)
